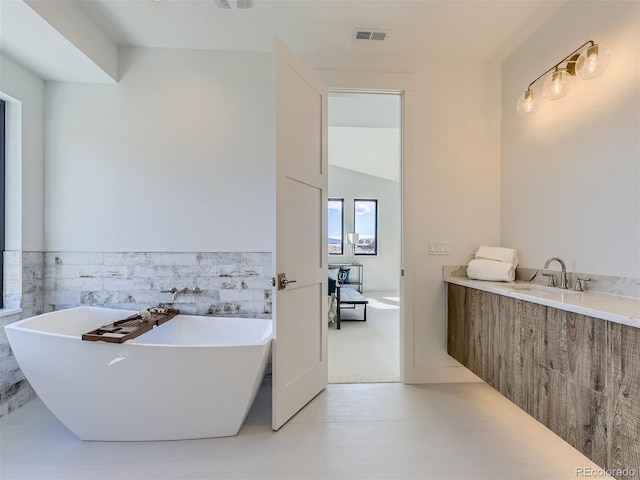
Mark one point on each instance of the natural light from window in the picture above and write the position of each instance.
(336, 226)
(366, 225)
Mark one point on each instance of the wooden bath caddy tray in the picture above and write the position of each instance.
(131, 327)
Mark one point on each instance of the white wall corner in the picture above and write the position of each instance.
(58, 41)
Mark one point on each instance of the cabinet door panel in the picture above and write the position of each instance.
(575, 346)
(587, 358)
(482, 335)
(456, 347)
(491, 332)
(624, 406)
(552, 401)
(472, 330)
(587, 420)
(519, 330)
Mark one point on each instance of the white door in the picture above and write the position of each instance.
(299, 355)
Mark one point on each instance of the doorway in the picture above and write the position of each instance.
(364, 230)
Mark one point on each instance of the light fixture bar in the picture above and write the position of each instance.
(567, 59)
(587, 61)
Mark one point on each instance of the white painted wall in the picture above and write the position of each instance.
(176, 157)
(571, 172)
(24, 93)
(381, 272)
(452, 193)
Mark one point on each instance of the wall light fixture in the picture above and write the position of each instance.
(587, 61)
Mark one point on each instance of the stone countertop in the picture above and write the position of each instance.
(615, 308)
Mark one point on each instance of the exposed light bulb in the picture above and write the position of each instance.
(556, 85)
(593, 62)
(526, 103)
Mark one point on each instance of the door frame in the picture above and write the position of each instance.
(404, 84)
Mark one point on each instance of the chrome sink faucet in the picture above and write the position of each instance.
(563, 273)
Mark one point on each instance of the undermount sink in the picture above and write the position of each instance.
(543, 289)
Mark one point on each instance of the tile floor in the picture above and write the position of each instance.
(366, 431)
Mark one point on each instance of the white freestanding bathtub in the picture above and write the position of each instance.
(192, 377)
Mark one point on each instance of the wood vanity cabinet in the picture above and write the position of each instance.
(577, 375)
(473, 331)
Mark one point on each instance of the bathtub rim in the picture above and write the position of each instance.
(267, 336)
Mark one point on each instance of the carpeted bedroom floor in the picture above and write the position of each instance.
(367, 352)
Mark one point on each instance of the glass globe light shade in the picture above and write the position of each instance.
(556, 85)
(526, 103)
(593, 62)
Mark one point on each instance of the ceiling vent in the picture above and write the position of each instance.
(370, 34)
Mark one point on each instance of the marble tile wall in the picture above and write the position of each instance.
(15, 390)
(12, 279)
(32, 284)
(23, 289)
(231, 284)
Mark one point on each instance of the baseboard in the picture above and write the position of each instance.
(453, 374)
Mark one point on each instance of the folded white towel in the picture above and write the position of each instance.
(501, 254)
(481, 269)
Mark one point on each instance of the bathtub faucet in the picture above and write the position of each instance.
(177, 292)
(173, 290)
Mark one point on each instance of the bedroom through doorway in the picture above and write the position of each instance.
(364, 230)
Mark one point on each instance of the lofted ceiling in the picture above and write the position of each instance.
(365, 133)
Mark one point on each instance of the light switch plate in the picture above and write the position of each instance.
(438, 247)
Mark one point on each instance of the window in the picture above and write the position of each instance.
(366, 226)
(2, 202)
(336, 226)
